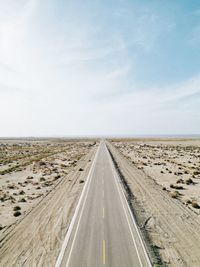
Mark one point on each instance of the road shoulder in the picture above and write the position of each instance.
(168, 228)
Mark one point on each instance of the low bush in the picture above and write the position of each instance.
(17, 208)
(175, 194)
(189, 181)
(195, 204)
(180, 181)
(188, 201)
(17, 213)
(179, 187)
(22, 200)
(196, 172)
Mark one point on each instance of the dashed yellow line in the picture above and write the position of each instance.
(103, 212)
(104, 252)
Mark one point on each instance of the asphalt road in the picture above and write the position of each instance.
(103, 231)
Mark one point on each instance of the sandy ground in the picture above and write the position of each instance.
(38, 197)
(175, 165)
(163, 176)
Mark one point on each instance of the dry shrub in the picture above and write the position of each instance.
(188, 201)
(174, 194)
(196, 172)
(17, 208)
(195, 204)
(17, 213)
(189, 181)
(22, 200)
(180, 181)
(179, 187)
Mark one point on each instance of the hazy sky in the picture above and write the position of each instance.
(93, 67)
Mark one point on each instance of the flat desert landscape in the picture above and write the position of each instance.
(173, 164)
(32, 174)
(163, 175)
(41, 181)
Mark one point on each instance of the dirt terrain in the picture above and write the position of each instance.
(40, 182)
(163, 176)
(173, 164)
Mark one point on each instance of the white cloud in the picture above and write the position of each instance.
(74, 79)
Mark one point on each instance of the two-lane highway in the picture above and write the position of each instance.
(103, 231)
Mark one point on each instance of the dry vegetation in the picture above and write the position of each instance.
(29, 169)
(174, 164)
(164, 179)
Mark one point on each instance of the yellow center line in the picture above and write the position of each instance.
(104, 252)
(103, 212)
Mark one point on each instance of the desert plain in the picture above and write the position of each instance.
(173, 164)
(163, 175)
(41, 181)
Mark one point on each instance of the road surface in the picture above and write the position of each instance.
(103, 231)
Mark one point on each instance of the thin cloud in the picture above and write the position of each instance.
(77, 68)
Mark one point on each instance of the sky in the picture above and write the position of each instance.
(99, 67)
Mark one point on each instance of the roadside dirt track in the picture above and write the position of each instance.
(172, 227)
(37, 238)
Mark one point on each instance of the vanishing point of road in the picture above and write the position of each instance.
(103, 231)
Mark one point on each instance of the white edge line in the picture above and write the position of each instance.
(78, 224)
(131, 215)
(66, 240)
